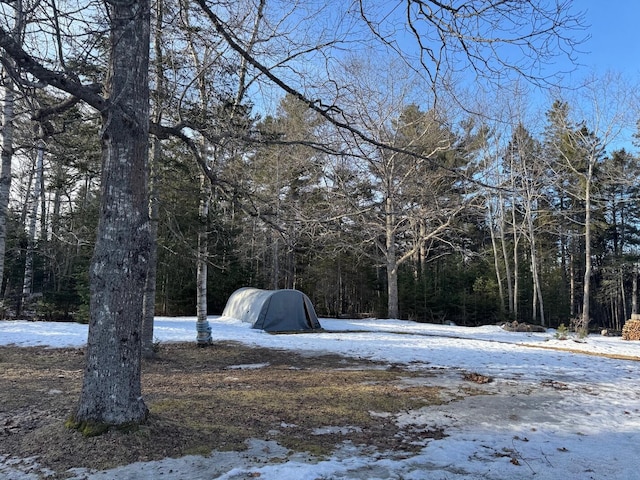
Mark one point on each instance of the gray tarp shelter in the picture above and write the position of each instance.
(273, 310)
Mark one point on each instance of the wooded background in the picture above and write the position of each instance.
(487, 229)
(436, 204)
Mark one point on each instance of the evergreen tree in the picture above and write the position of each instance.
(560, 153)
(283, 194)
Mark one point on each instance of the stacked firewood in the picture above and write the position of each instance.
(631, 329)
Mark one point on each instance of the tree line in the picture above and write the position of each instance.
(144, 173)
(489, 224)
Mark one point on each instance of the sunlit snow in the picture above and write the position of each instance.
(559, 414)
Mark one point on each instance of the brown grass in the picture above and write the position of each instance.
(200, 402)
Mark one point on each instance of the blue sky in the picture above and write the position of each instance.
(613, 26)
(613, 46)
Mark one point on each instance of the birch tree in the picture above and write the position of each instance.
(606, 106)
(527, 176)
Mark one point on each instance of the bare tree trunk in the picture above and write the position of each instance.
(516, 264)
(623, 301)
(5, 169)
(275, 262)
(27, 283)
(55, 211)
(586, 287)
(203, 328)
(422, 249)
(634, 289)
(572, 286)
(44, 227)
(496, 263)
(290, 280)
(537, 288)
(111, 390)
(155, 156)
(507, 263)
(6, 132)
(149, 305)
(393, 310)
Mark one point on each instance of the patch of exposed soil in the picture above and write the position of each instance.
(204, 399)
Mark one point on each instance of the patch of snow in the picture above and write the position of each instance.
(548, 414)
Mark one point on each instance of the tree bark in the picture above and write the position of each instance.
(27, 282)
(6, 132)
(496, 262)
(583, 327)
(154, 208)
(535, 273)
(149, 308)
(203, 328)
(634, 289)
(111, 389)
(623, 301)
(505, 257)
(516, 263)
(5, 169)
(393, 310)
(572, 286)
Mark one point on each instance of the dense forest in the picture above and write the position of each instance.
(485, 225)
(458, 210)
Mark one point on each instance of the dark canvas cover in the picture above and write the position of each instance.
(273, 310)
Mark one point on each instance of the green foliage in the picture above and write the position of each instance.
(562, 333)
(451, 290)
(82, 313)
(284, 214)
(556, 299)
(582, 331)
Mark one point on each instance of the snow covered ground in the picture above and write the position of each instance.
(548, 414)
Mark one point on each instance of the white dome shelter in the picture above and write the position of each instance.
(273, 310)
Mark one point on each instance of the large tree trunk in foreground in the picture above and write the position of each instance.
(111, 390)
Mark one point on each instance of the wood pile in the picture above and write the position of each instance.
(631, 329)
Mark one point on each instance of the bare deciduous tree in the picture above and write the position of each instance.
(605, 106)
